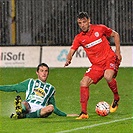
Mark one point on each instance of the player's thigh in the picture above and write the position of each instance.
(34, 107)
(113, 64)
(95, 73)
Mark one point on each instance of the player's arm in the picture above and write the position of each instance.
(73, 49)
(19, 87)
(116, 37)
(69, 57)
(56, 110)
(59, 112)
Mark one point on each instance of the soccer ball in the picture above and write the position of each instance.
(102, 108)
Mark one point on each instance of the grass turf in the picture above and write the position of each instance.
(66, 81)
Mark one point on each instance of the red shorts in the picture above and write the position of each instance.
(96, 72)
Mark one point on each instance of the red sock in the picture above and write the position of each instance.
(84, 96)
(113, 86)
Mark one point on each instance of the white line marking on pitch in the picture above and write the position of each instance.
(95, 125)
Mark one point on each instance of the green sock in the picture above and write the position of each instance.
(35, 114)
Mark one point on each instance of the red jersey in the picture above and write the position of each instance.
(94, 42)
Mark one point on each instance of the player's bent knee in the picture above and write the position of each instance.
(82, 83)
(50, 108)
(86, 81)
(46, 111)
(108, 77)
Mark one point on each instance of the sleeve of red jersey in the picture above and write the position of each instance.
(107, 30)
(75, 44)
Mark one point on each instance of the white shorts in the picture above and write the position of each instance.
(34, 107)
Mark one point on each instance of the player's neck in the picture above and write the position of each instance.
(89, 28)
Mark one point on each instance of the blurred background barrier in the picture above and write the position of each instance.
(30, 56)
(53, 22)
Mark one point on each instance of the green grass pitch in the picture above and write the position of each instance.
(66, 81)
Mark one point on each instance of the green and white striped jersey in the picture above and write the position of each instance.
(36, 92)
(39, 92)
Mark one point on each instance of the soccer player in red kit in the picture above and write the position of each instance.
(105, 62)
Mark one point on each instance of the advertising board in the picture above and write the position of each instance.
(19, 56)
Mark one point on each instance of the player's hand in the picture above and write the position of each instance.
(67, 63)
(119, 56)
(72, 115)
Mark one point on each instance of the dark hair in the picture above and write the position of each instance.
(42, 64)
(82, 15)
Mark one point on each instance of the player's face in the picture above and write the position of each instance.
(84, 24)
(42, 73)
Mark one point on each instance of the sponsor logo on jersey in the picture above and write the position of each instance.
(83, 41)
(96, 34)
(112, 65)
(93, 43)
(39, 92)
(37, 84)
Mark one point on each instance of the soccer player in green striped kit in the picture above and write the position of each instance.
(39, 101)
